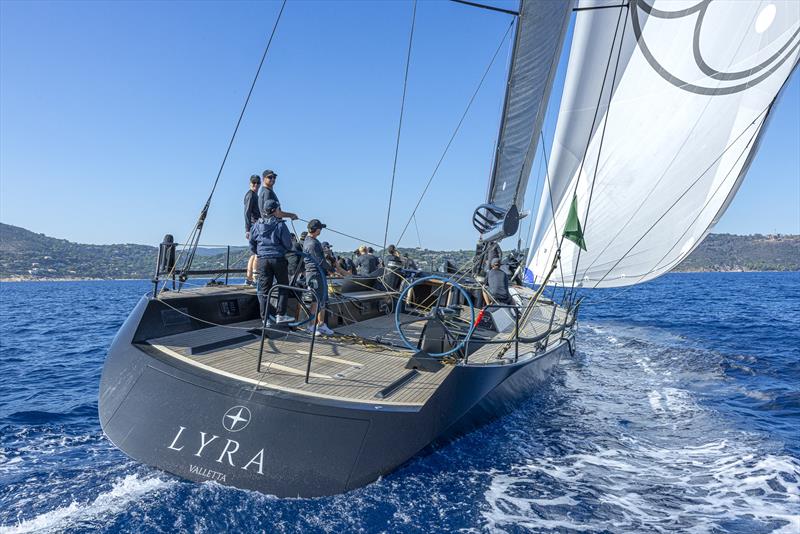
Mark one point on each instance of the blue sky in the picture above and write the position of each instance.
(114, 118)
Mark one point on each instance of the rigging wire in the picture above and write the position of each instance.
(663, 175)
(419, 239)
(399, 127)
(343, 234)
(591, 129)
(684, 193)
(539, 174)
(552, 205)
(600, 146)
(457, 129)
(744, 150)
(628, 288)
(204, 212)
(765, 112)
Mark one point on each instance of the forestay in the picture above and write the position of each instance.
(540, 35)
(663, 106)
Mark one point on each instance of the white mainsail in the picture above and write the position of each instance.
(655, 161)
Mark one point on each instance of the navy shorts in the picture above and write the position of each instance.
(313, 281)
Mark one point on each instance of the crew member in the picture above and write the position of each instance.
(493, 251)
(366, 262)
(252, 213)
(270, 240)
(497, 282)
(330, 257)
(293, 256)
(313, 248)
(392, 251)
(268, 193)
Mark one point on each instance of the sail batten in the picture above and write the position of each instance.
(682, 125)
(539, 37)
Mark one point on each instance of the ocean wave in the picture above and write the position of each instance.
(708, 487)
(666, 419)
(90, 514)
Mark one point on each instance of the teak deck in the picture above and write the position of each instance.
(364, 362)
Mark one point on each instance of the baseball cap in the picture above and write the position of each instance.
(254, 179)
(269, 172)
(495, 261)
(270, 206)
(315, 224)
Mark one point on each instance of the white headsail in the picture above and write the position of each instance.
(663, 105)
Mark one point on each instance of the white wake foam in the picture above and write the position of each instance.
(123, 492)
(647, 456)
(693, 489)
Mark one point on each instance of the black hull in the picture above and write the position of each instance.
(169, 414)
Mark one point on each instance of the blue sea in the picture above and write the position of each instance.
(679, 413)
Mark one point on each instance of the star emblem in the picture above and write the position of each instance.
(236, 419)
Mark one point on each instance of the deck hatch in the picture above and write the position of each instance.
(214, 345)
(397, 384)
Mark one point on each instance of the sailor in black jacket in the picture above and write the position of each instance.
(251, 215)
(497, 280)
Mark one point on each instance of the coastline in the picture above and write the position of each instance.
(75, 279)
(86, 279)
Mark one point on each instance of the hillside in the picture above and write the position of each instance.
(727, 252)
(27, 255)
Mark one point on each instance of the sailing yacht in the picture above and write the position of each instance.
(662, 110)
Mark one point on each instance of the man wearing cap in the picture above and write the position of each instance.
(497, 282)
(366, 262)
(270, 240)
(493, 251)
(330, 257)
(392, 251)
(314, 280)
(252, 213)
(268, 193)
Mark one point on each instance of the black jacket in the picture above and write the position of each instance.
(366, 264)
(251, 211)
(497, 280)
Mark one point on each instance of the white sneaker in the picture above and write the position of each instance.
(324, 329)
(284, 319)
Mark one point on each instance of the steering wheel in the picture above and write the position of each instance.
(438, 312)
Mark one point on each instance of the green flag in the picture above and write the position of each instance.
(572, 229)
